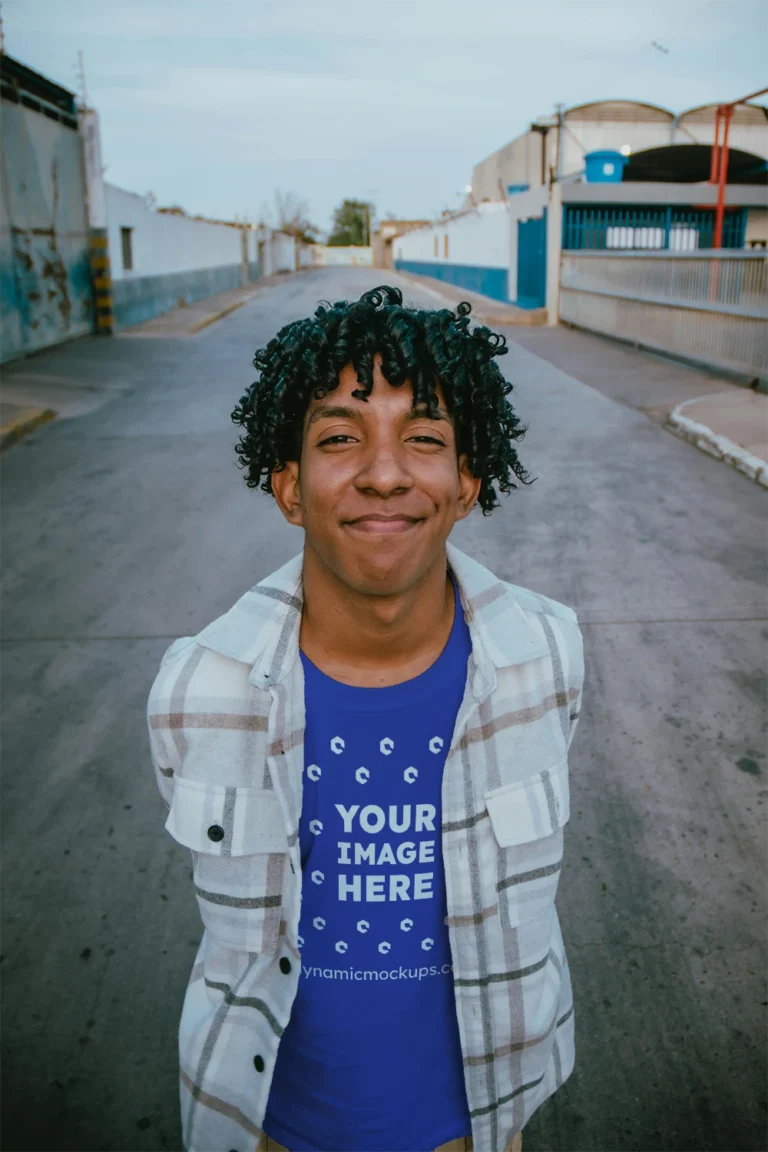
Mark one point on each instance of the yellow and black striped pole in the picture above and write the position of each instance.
(101, 276)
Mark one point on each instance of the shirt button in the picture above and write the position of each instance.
(258, 1063)
(215, 833)
(285, 965)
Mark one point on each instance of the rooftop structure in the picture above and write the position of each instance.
(655, 139)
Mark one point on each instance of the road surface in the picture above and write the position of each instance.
(128, 525)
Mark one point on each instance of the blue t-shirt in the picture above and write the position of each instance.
(371, 1059)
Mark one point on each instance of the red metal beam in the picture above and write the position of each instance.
(714, 168)
(744, 99)
(720, 160)
(717, 240)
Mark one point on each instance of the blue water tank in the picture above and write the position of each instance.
(604, 167)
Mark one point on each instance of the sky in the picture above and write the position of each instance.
(215, 104)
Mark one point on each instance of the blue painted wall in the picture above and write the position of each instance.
(139, 298)
(491, 282)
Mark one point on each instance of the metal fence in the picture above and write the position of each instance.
(711, 307)
(673, 227)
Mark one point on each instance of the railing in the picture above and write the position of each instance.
(711, 307)
(672, 227)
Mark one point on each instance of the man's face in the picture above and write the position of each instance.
(378, 487)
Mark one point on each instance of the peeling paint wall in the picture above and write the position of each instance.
(45, 281)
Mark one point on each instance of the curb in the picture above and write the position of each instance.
(718, 446)
(27, 420)
(198, 327)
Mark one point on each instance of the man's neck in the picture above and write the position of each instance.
(374, 641)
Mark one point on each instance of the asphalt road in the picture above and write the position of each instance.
(129, 525)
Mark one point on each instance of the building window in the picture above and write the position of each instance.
(445, 246)
(436, 243)
(127, 247)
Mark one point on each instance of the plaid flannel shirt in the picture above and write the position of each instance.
(226, 725)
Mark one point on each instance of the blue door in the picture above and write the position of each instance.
(532, 262)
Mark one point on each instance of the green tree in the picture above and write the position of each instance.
(352, 224)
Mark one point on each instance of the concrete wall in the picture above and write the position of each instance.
(518, 162)
(278, 253)
(707, 307)
(139, 299)
(336, 257)
(175, 259)
(306, 256)
(470, 251)
(164, 244)
(45, 278)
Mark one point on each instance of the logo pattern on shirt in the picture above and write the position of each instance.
(370, 820)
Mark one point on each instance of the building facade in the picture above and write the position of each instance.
(555, 147)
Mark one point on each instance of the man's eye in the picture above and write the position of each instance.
(337, 439)
(428, 440)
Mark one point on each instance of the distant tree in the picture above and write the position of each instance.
(353, 222)
(290, 214)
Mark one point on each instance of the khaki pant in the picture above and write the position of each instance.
(462, 1144)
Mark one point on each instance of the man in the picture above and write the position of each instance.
(367, 756)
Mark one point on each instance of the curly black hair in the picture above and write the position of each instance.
(422, 347)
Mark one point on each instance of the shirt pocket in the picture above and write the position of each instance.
(239, 847)
(527, 819)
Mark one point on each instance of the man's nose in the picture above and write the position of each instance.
(384, 470)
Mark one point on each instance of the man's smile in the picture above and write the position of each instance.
(378, 524)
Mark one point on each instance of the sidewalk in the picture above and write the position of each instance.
(193, 318)
(31, 394)
(720, 417)
(730, 425)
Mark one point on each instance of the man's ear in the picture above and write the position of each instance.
(285, 485)
(469, 489)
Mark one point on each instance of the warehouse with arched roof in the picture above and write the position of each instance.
(554, 147)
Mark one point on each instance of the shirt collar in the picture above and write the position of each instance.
(502, 633)
(262, 627)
